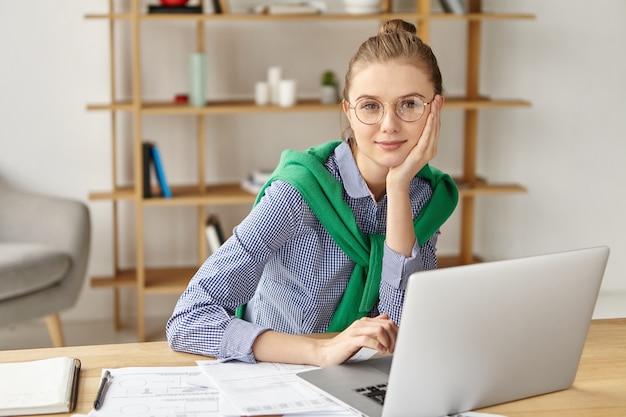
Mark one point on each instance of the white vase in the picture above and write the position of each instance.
(329, 94)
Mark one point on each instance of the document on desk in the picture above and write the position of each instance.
(262, 388)
(178, 391)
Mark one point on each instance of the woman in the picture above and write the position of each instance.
(338, 229)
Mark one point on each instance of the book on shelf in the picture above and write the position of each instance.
(224, 6)
(159, 8)
(147, 166)
(217, 7)
(453, 6)
(214, 234)
(255, 180)
(39, 387)
(160, 172)
(284, 8)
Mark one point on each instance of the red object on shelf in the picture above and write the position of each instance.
(174, 2)
(181, 98)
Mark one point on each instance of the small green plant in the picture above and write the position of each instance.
(329, 78)
(330, 88)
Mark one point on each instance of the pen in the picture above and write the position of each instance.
(102, 389)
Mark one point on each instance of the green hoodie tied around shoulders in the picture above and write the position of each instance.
(306, 172)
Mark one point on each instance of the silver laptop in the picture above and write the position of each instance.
(478, 335)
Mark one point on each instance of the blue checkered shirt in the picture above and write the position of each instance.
(281, 262)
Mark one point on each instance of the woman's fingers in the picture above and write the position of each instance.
(426, 147)
(378, 333)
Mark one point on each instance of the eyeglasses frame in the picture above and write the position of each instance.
(384, 106)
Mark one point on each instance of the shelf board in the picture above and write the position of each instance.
(222, 194)
(448, 261)
(225, 194)
(184, 195)
(158, 280)
(482, 187)
(235, 107)
(323, 16)
(119, 106)
(121, 193)
(124, 278)
(311, 105)
(175, 280)
(214, 107)
(483, 103)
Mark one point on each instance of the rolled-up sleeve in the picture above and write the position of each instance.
(396, 270)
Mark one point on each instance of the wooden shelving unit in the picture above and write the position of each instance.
(149, 281)
(246, 106)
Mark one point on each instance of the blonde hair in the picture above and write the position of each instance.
(396, 40)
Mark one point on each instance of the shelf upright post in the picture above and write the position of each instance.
(201, 155)
(138, 171)
(117, 321)
(423, 25)
(471, 131)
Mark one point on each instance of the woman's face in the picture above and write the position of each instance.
(386, 143)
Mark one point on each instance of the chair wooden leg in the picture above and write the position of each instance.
(53, 322)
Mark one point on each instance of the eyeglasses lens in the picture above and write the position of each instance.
(410, 109)
(371, 111)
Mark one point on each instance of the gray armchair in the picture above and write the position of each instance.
(44, 250)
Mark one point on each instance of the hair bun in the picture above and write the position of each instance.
(397, 25)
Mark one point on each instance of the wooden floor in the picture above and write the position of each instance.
(34, 334)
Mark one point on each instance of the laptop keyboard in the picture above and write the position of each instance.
(375, 392)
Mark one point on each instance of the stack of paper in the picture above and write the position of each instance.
(267, 388)
(216, 389)
(213, 389)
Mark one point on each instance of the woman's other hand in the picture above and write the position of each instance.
(378, 333)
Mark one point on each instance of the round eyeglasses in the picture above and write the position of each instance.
(371, 111)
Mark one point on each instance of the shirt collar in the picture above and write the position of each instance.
(353, 182)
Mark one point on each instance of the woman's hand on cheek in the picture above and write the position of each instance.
(426, 147)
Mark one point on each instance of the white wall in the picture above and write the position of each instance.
(568, 148)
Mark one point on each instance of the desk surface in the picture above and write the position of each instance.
(599, 389)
